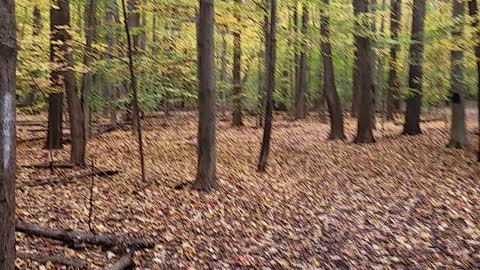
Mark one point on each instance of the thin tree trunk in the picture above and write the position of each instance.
(270, 85)
(333, 100)
(111, 18)
(356, 68)
(134, 23)
(365, 78)
(414, 101)
(207, 155)
(133, 86)
(300, 97)
(223, 75)
(8, 56)
(90, 34)
(393, 98)
(37, 29)
(237, 71)
(458, 131)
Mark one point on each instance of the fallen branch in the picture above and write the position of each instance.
(49, 166)
(70, 179)
(76, 238)
(125, 262)
(44, 259)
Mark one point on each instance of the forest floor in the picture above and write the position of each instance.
(401, 203)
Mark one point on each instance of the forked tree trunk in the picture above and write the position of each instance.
(207, 155)
(393, 98)
(415, 74)
(8, 56)
(300, 97)
(333, 100)
(237, 71)
(365, 78)
(458, 131)
(473, 12)
(90, 34)
(270, 85)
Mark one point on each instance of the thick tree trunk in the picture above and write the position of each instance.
(207, 155)
(237, 72)
(61, 19)
(270, 85)
(333, 100)
(300, 97)
(458, 131)
(414, 101)
(393, 98)
(365, 78)
(8, 57)
(90, 33)
(473, 12)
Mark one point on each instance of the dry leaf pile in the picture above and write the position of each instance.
(402, 203)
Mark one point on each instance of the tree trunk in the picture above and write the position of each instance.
(111, 18)
(393, 98)
(8, 56)
(90, 34)
(37, 29)
(415, 74)
(356, 69)
(143, 35)
(237, 71)
(270, 85)
(300, 98)
(223, 75)
(366, 85)
(207, 155)
(333, 100)
(296, 55)
(458, 131)
(134, 23)
(61, 20)
(473, 12)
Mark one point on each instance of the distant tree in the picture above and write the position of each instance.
(134, 23)
(414, 100)
(458, 131)
(237, 70)
(8, 56)
(473, 12)
(301, 92)
(207, 155)
(270, 86)
(90, 34)
(393, 84)
(366, 85)
(333, 100)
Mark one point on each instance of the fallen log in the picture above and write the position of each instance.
(69, 179)
(125, 262)
(55, 259)
(76, 238)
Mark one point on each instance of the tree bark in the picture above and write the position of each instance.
(223, 75)
(270, 85)
(301, 92)
(393, 98)
(207, 155)
(8, 56)
(237, 70)
(473, 12)
(333, 100)
(458, 130)
(415, 74)
(365, 78)
(90, 34)
(356, 69)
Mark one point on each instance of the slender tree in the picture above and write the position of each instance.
(134, 23)
(365, 75)
(207, 155)
(473, 12)
(270, 86)
(301, 92)
(393, 84)
(333, 100)
(415, 74)
(8, 56)
(237, 70)
(223, 75)
(458, 131)
(37, 29)
(90, 33)
(111, 92)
